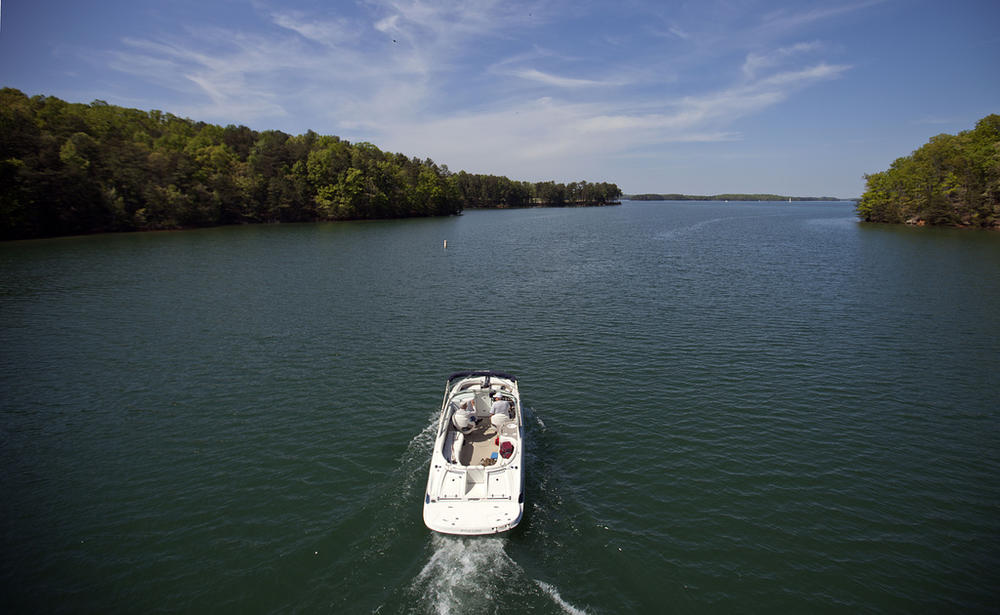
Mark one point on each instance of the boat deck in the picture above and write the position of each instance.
(479, 444)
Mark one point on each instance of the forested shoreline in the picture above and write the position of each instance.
(73, 168)
(952, 180)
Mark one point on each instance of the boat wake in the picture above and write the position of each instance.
(476, 575)
(418, 449)
(554, 594)
(686, 230)
(464, 575)
(683, 231)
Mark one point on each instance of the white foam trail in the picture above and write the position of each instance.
(463, 575)
(554, 594)
(470, 575)
(424, 440)
(677, 232)
(412, 467)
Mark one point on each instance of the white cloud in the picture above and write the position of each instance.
(348, 76)
(330, 32)
(237, 79)
(784, 20)
(681, 34)
(797, 78)
(444, 23)
(388, 25)
(531, 74)
(756, 62)
(520, 139)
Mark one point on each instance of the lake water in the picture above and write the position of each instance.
(735, 407)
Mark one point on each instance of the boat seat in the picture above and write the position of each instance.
(453, 443)
(499, 420)
(456, 446)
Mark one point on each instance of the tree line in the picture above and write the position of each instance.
(71, 168)
(950, 180)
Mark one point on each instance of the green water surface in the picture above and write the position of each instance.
(734, 408)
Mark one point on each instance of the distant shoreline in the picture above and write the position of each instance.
(537, 204)
(730, 197)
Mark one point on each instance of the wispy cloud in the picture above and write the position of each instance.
(670, 31)
(681, 34)
(445, 23)
(388, 75)
(237, 79)
(756, 61)
(329, 32)
(531, 74)
(516, 137)
(789, 20)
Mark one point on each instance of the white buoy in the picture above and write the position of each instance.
(445, 244)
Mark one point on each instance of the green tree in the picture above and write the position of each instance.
(75, 168)
(952, 179)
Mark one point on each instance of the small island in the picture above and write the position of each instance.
(952, 180)
(71, 168)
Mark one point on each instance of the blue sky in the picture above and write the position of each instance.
(698, 97)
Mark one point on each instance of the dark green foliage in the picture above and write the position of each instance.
(951, 180)
(68, 168)
(493, 191)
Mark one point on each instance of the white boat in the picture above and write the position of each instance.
(476, 479)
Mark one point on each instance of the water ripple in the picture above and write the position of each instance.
(749, 408)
